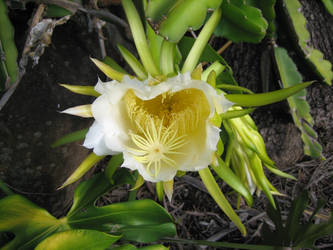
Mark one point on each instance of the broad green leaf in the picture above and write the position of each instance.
(208, 55)
(87, 192)
(241, 22)
(71, 137)
(78, 239)
(328, 5)
(8, 49)
(140, 220)
(268, 11)
(180, 18)
(154, 247)
(255, 100)
(131, 247)
(299, 107)
(156, 9)
(297, 24)
(215, 191)
(5, 189)
(148, 233)
(27, 221)
(227, 175)
(83, 168)
(57, 11)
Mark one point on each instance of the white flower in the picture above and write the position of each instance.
(160, 129)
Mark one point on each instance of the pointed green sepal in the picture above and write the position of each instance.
(236, 113)
(255, 100)
(215, 191)
(82, 90)
(108, 70)
(84, 167)
(134, 63)
(71, 137)
(139, 182)
(227, 175)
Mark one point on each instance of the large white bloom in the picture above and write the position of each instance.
(160, 129)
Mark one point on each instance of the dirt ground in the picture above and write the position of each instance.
(31, 121)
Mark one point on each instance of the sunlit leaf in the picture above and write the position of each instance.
(78, 239)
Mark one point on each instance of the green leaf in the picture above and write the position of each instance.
(71, 137)
(133, 219)
(298, 206)
(8, 49)
(78, 239)
(131, 247)
(255, 100)
(297, 26)
(299, 107)
(57, 11)
(215, 191)
(226, 174)
(241, 22)
(180, 18)
(268, 11)
(87, 192)
(27, 221)
(328, 5)
(156, 9)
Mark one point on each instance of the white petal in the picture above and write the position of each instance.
(95, 140)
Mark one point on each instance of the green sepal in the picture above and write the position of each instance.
(236, 113)
(159, 190)
(227, 175)
(134, 63)
(71, 137)
(215, 191)
(83, 168)
(256, 100)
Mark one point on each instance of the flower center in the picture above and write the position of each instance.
(161, 126)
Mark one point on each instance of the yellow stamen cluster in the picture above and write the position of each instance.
(161, 126)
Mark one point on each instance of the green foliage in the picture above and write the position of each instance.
(28, 222)
(8, 51)
(78, 239)
(267, 9)
(328, 5)
(241, 22)
(142, 221)
(299, 108)
(314, 57)
(57, 11)
(292, 233)
(179, 17)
